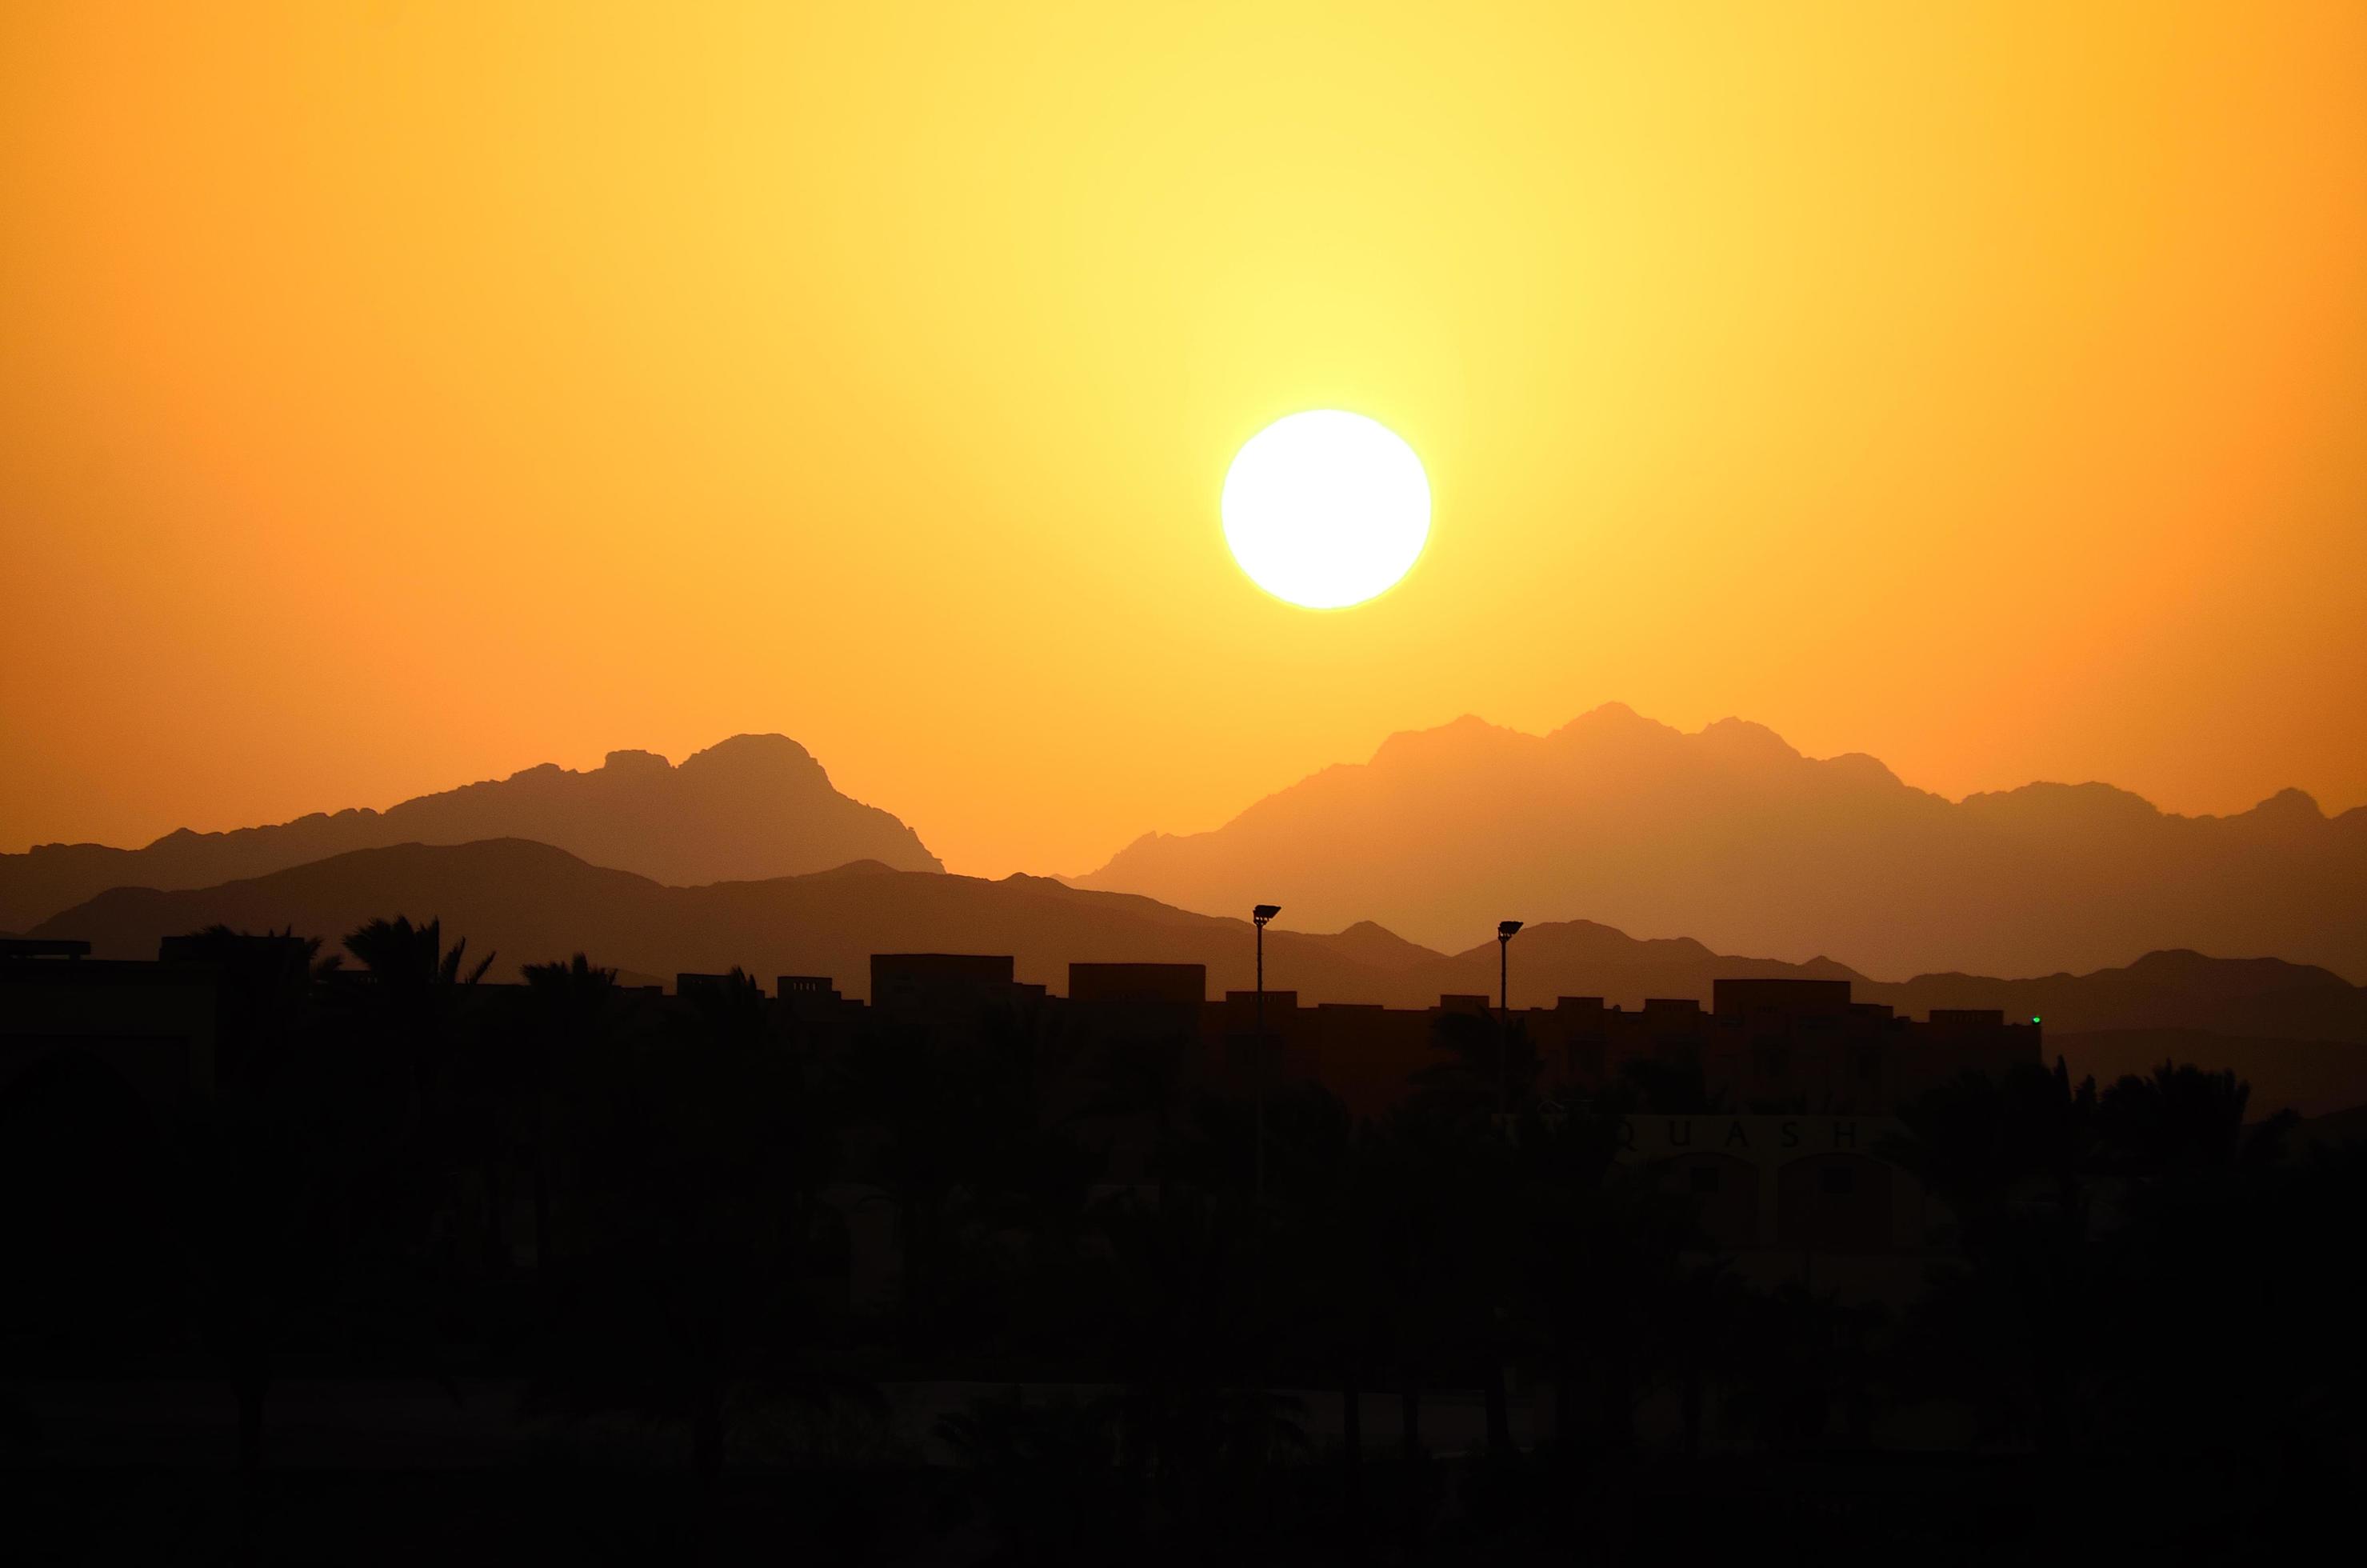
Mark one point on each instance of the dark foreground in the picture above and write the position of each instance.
(1834, 1508)
(115, 1471)
(441, 1273)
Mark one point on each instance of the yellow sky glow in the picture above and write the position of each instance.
(394, 396)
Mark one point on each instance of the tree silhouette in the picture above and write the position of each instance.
(266, 991)
(2017, 1329)
(412, 1001)
(1044, 1476)
(1980, 1143)
(1189, 1330)
(266, 1174)
(1333, 1313)
(2180, 1120)
(573, 1013)
(2137, 1294)
(412, 1006)
(86, 1209)
(411, 962)
(946, 1123)
(1484, 1066)
(693, 1299)
(1802, 1365)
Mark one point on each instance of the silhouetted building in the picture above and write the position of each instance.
(938, 983)
(809, 997)
(1797, 1045)
(707, 984)
(959, 994)
(1764, 1046)
(1139, 985)
(151, 1025)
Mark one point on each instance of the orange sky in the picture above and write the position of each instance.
(394, 396)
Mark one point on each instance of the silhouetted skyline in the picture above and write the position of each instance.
(1535, 1275)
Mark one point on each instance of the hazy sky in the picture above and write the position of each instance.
(395, 395)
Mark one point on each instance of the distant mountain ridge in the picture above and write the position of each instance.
(752, 806)
(1732, 834)
(529, 903)
(2297, 1033)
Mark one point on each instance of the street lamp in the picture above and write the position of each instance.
(1505, 931)
(1262, 914)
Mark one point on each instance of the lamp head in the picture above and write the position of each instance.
(1265, 912)
(1506, 930)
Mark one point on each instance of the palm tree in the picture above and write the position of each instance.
(415, 986)
(262, 1217)
(1483, 1066)
(413, 1006)
(261, 1207)
(1141, 1075)
(410, 961)
(2233, 1323)
(1410, 1228)
(1696, 1341)
(1475, 1098)
(1979, 1141)
(2010, 1156)
(1801, 1359)
(2182, 1120)
(687, 1300)
(1190, 1321)
(573, 1011)
(1604, 1278)
(577, 994)
(957, 1134)
(1330, 1299)
(1044, 1475)
(265, 987)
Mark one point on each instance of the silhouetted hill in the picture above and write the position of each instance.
(1732, 835)
(1378, 945)
(1580, 957)
(2180, 990)
(531, 902)
(2345, 1126)
(752, 806)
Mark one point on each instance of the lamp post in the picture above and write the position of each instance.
(1505, 931)
(1262, 914)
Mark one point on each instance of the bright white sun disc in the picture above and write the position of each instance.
(1325, 509)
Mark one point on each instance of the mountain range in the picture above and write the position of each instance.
(752, 806)
(1727, 835)
(1732, 835)
(2297, 1031)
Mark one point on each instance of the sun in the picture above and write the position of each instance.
(1325, 509)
